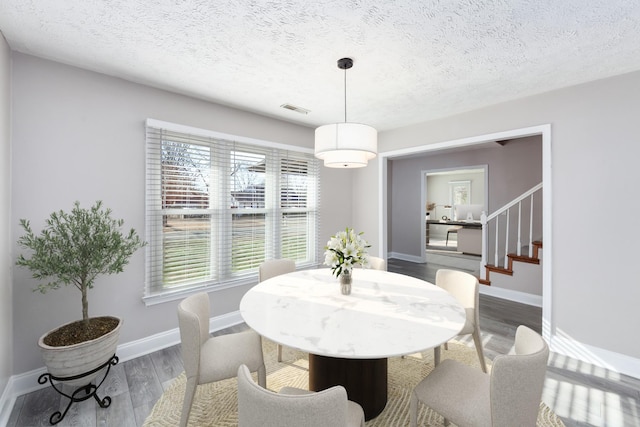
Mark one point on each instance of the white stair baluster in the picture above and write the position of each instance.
(519, 247)
(531, 229)
(506, 241)
(483, 256)
(495, 260)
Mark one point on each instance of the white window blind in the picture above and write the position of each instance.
(217, 208)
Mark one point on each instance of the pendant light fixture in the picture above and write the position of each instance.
(346, 145)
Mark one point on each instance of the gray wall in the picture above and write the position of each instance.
(79, 135)
(6, 324)
(512, 170)
(594, 132)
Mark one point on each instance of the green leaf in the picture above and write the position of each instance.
(76, 247)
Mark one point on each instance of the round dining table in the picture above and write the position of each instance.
(349, 337)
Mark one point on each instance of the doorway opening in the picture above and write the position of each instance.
(450, 196)
(544, 131)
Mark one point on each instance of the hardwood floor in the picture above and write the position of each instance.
(580, 393)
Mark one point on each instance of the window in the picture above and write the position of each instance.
(218, 206)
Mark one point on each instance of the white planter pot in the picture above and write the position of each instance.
(63, 362)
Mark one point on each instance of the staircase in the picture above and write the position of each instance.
(509, 224)
(508, 269)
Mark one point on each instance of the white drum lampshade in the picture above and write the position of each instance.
(346, 145)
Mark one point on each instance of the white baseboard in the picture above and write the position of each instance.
(7, 400)
(610, 360)
(406, 257)
(156, 342)
(521, 297)
(28, 381)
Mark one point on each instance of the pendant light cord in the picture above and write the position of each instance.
(345, 64)
(345, 95)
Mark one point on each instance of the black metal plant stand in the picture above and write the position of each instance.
(81, 393)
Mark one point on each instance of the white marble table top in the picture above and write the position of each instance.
(386, 314)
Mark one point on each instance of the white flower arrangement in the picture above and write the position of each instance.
(345, 250)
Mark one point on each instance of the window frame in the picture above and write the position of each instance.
(155, 293)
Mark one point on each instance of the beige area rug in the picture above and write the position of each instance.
(216, 404)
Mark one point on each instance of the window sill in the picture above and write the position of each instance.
(168, 296)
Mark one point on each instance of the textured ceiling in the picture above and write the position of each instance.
(414, 60)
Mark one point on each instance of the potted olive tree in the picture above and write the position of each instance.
(74, 248)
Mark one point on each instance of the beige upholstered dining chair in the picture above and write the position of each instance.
(272, 268)
(294, 407)
(377, 263)
(207, 359)
(509, 396)
(465, 289)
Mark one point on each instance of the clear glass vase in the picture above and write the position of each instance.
(345, 282)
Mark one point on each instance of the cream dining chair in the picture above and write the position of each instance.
(509, 396)
(377, 263)
(293, 407)
(208, 359)
(273, 268)
(465, 289)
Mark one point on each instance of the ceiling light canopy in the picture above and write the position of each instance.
(346, 145)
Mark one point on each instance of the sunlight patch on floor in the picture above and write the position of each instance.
(589, 405)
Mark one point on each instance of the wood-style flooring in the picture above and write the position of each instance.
(580, 393)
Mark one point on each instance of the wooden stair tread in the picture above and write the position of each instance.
(498, 269)
(524, 258)
(537, 245)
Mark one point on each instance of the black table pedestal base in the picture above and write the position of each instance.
(364, 379)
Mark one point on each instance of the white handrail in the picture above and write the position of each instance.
(514, 201)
